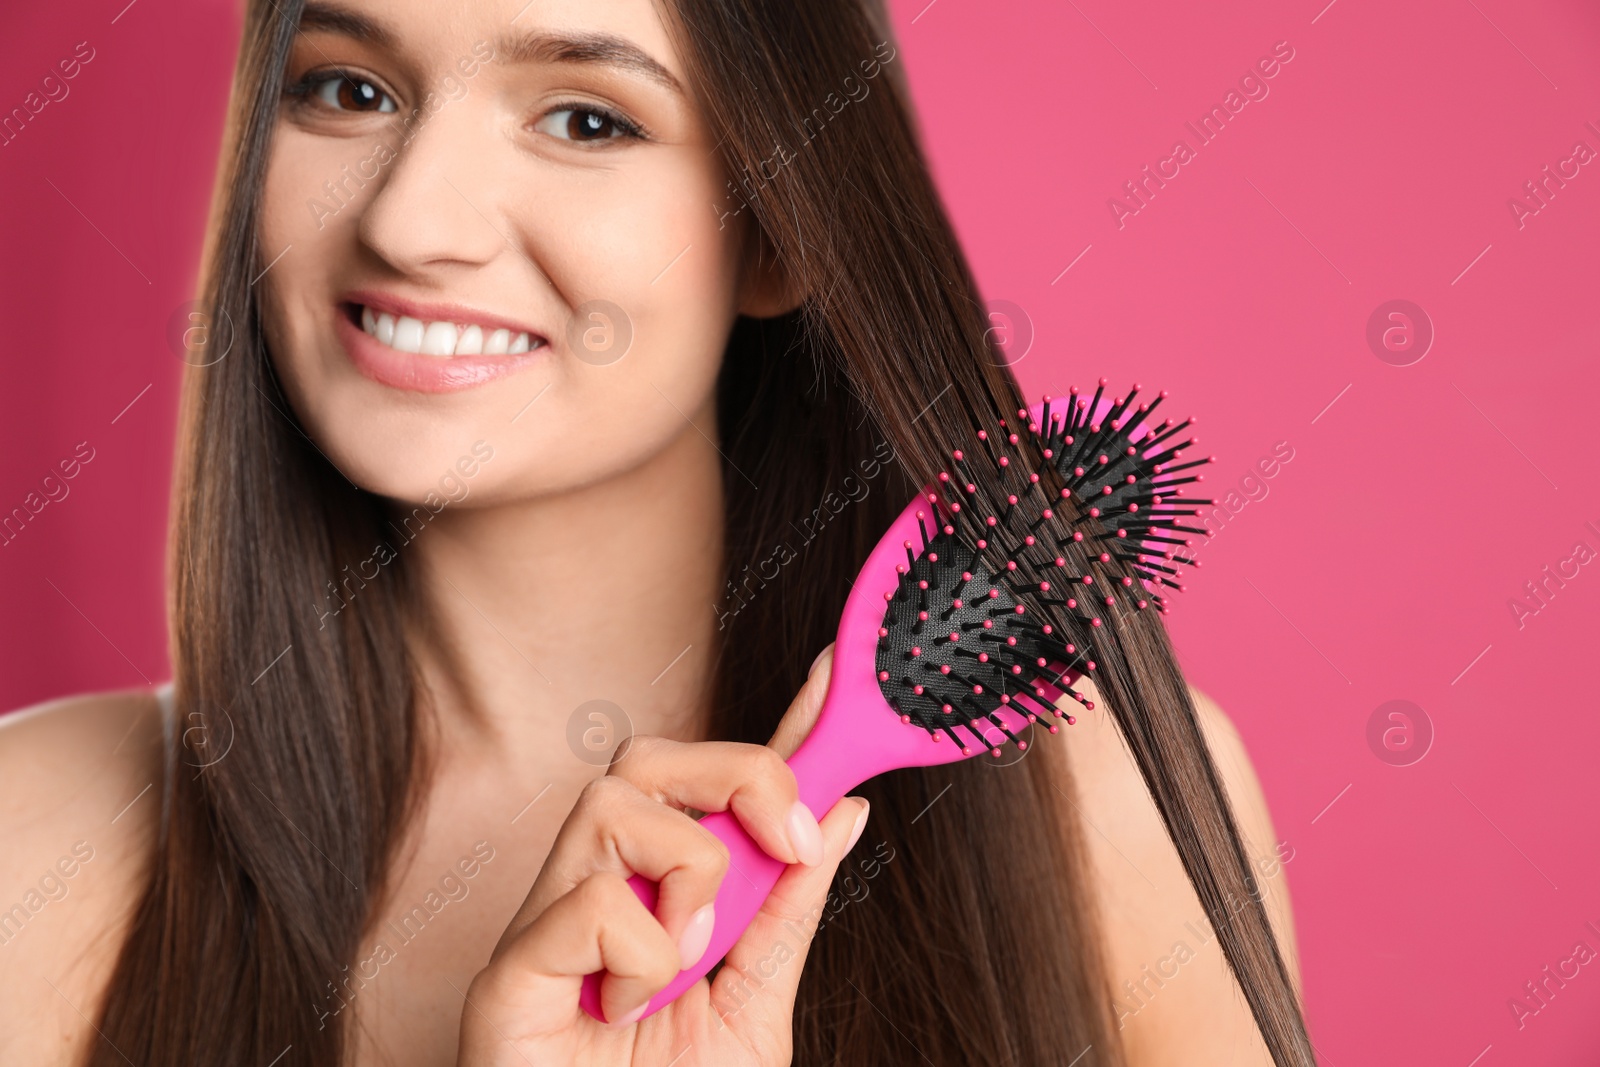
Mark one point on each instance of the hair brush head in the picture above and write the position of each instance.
(1083, 522)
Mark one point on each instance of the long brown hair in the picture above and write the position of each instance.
(976, 946)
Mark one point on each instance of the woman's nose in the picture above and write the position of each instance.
(439, 201)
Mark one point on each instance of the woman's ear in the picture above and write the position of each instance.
(766, 289)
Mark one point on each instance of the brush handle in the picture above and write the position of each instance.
(823, 778)
(857, 736)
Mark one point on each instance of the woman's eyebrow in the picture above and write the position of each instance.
(604, 49)
(331, 18)
(600, 48)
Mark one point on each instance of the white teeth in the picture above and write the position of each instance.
(471, 342)
(407, 334)
(443, 339)
(439, 339)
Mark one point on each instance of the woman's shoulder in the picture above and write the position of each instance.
(81, 781)
(1174, 996)
(64, 760)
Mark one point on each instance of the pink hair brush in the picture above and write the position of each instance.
(937, 657)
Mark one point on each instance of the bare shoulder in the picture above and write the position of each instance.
(80, 788)
(1175, 999)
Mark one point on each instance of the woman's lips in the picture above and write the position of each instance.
(421, 373)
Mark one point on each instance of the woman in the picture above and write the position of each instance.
(575, 357)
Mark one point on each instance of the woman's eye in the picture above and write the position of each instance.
(347, 92)
(585, 124)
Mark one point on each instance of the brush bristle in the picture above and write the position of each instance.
(955, 647)
(1128, 486)
(958, 643)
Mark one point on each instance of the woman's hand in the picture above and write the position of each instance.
(581, 916)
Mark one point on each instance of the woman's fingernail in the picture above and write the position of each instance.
(696, 936)
(632, 1016)
(861, 824)
(804, 834)
(813, 668)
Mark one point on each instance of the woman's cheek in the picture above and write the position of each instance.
(645, 260)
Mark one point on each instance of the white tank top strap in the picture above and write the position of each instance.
(168, 714)
(169, 752)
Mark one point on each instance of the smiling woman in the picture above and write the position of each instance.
(825, 334)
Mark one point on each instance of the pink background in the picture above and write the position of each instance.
(1380, 563)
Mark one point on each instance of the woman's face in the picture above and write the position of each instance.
(500, 222)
